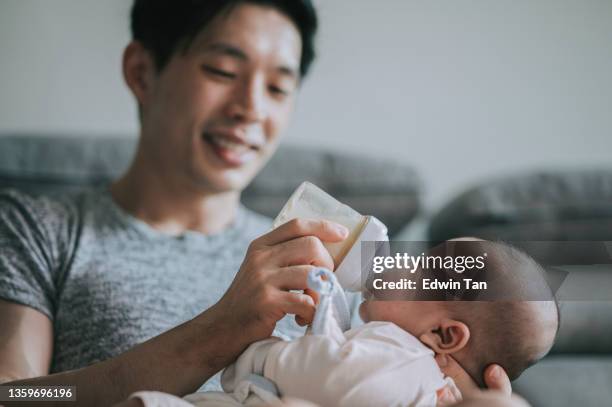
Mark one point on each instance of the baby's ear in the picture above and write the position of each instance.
(449, 336)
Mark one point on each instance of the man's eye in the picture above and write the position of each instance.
(279, 91)
(219, 72)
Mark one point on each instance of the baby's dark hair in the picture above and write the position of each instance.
(516, 324)
(500, 333)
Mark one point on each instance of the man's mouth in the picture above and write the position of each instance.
(232, 150)
(229, 143)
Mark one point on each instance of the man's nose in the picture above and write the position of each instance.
(249, 102)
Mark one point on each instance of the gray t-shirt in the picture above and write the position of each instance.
(109, 281)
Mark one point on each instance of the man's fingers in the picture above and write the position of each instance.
(325, 230)
(292, 277)
(496, 378)
(313, 294)
(307, 250)
(301, 305)
(452, 369)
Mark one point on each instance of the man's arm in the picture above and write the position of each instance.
(180, 360)
(176, 362)
(26, 342)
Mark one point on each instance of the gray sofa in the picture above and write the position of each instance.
(579, 372)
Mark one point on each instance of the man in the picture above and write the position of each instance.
(106, 289)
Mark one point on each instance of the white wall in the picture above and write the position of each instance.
(461, 89)
(60, 66)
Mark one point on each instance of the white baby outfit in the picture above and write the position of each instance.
(376, 364)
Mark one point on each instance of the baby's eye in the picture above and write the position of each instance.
(219, 72)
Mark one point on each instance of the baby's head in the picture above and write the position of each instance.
(513, 332)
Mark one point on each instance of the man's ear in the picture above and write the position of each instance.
(447, 338)
(138, 71)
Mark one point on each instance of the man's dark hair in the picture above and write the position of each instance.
(167, 26)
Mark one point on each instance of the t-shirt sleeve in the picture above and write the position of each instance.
(28, 255)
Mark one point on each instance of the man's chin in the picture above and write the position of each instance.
(229, 181)
(219, 177)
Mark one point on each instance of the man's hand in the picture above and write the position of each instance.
(276, 263)
(495, 377)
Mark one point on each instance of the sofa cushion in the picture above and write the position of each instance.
(567, 381)
(56, 164)
(585, 305)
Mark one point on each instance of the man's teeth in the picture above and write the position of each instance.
(229, 144)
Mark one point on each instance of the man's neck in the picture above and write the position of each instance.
(173, 208)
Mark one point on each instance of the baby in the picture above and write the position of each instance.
(389, 360)
(513, 323)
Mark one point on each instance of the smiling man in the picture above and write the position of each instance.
(143, 285)
(121, 289)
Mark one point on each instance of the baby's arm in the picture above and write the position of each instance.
(306, 368)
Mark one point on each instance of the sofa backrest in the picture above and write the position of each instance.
(58, 164)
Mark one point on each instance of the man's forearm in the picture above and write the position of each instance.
(176, 362)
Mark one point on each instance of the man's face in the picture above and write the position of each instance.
(213, 116)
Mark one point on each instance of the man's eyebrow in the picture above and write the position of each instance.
(288, 71)
(226, 49)
(233, 51)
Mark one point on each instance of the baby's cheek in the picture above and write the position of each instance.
(375, 311)
(363, 312)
